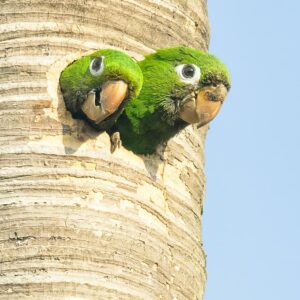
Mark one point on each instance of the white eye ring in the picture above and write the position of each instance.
(97, 66)
(188, 73)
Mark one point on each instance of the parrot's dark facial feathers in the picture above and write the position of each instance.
(215, 79)
(171, 105)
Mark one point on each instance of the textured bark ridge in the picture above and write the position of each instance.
(77, 222)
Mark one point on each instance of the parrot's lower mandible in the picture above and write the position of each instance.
(181, 86)
(96, 87)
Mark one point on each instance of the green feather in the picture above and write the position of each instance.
(76, 80)
(150, 118)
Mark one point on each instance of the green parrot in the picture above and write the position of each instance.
(181, 86)
(96, 87)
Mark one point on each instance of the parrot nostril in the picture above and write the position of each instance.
(212, 97)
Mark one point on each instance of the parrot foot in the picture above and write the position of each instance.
(115, 141)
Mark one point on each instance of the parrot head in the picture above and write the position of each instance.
(186, 83)
(96, 87)
(181, 86)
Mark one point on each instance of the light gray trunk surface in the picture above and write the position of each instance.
(77, 222)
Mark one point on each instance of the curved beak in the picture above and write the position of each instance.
(99, 106)
(205, 106)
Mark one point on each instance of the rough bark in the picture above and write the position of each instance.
(77, 222)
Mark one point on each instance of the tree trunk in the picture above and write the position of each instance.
(76, 221)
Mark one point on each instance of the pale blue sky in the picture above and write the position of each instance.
(252, 211)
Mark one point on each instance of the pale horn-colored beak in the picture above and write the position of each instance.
(205, 107)
(112, 94)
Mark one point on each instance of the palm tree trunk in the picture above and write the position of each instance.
(77, 222)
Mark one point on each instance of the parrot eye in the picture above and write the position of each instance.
(97, 66)
(188, 73)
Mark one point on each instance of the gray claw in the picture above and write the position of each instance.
(115, 141)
